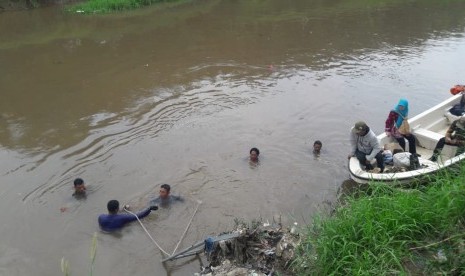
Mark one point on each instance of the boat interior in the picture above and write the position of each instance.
(428, 130)
(428, 127)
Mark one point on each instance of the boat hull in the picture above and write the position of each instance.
(428, 127)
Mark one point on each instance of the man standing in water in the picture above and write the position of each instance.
(365, 146)
(113, 221)
(79, 188)
(164, 197)
(254, 153)
(317, 145)
(79, 193)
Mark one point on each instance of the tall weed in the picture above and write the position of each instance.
(374, 230)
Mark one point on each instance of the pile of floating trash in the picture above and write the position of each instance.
(262, 250)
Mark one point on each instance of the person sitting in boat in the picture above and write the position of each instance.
(317, 145)
(365, 146)
(458, 109)
(455, 136)
(165, 198)
(113, 221)
(394, 121)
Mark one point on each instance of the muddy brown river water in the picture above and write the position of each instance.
(178, 94)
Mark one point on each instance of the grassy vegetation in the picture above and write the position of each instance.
(106, 6)
(386, 230)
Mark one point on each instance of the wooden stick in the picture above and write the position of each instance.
(434, 243)
(183, 251)
(185, 231)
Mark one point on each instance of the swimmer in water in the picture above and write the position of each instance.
(113, 221)
(317, 145)
(79, 193)
(254, 153)
(165, 197)
(79, 187)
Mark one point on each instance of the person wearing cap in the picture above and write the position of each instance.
(455, 136)
(365, 146)
(113, 221)
(393, 123)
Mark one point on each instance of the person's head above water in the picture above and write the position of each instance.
(254, 153)
(113, 206)
(79, 186)
(165, 191)
(317, 145)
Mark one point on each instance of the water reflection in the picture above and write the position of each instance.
(53, 91)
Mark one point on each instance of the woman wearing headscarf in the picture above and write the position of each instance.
(393, 123)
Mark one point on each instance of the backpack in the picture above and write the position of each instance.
(458, 109)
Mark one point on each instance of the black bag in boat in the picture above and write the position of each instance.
(458, 109)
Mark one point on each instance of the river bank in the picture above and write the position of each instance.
(90, 6)
(380, 228)
(373, 229)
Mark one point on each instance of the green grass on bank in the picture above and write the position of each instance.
(385, 230)
(107, 6)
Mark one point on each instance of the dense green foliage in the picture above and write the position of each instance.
(387, 230)
(106, 6)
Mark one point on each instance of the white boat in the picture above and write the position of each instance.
(428, 127)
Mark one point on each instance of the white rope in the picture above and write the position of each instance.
(188, 225)
(161, 249)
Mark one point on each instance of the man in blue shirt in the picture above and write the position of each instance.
(113, 221)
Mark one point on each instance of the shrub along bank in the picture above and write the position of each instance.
(106, 6)
(387, 230)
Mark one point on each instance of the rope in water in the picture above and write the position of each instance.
(153, 240)
(145, 229)
(188, 225)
